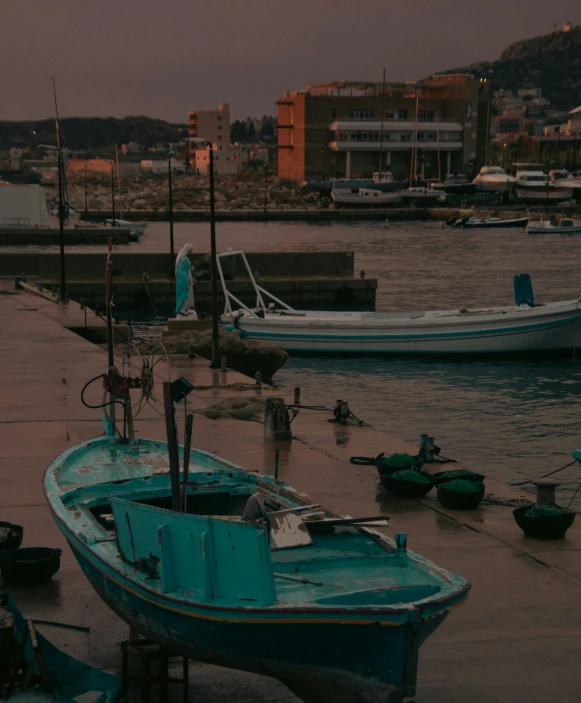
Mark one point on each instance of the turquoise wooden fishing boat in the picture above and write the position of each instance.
(252, 576)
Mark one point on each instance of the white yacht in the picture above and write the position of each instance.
(493, 178)
(369, 197)
(535, 186)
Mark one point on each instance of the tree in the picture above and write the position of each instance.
(238, 132)
(250, 130)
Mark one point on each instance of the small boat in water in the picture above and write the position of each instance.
(364, 197)
(516, 329)
(566, 225)
(383, 181)
(486, 222)
(136, 229)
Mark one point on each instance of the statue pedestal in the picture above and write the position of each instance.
(177, 325)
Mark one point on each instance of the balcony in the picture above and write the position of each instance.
(395, 125)
(348, 145)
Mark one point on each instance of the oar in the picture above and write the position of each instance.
(337, 522)
(298, 579)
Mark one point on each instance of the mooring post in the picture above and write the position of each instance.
(297, 398)
(258, 377)
(546, 490)
(224, 364)
(276, 421)
(344, 412)
(430, 448)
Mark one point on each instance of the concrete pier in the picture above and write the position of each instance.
(48, 236)
(323, 280)
(516, 640)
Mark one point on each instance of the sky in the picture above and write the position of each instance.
(163, 58)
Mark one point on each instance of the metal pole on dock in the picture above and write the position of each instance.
(213, 268)
(265, 185)
(171, 241)
(63, 290)
(113, 193)
(86, 198)
(172, 445)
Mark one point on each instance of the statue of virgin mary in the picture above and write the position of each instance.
(185, 286)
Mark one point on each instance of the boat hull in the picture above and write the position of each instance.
(543, 194)
(484, 224)
(554, 333)
(303, 656)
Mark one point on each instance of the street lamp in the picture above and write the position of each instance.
(213, 265)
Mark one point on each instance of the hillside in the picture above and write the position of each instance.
(551, 62)
(80, 133)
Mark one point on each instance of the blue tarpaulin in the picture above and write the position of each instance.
(523, 290)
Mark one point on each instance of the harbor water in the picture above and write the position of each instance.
(508, 419)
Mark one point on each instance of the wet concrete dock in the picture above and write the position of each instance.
(518, 638)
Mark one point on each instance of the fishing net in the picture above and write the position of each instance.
(411, 475)
(396, 461)
(462, 486)
(463, 474)
(545, 511)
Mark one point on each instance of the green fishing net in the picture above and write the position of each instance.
(411, 475)
(454, 474)
(396, 461)
(462, 486)
(544, 511)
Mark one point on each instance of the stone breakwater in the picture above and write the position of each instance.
(190, 192)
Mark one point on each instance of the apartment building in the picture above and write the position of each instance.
(340, 129)
(213, 125)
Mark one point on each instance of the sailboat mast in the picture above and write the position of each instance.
(381, 130)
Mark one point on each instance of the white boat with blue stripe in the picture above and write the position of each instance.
(513, 330)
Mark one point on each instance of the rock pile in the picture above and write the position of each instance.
(244, 191)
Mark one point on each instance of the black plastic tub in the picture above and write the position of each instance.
(543, 526)
(407, 487)
(30, 565)
(455, 474)
(10, 535)
(450, 497)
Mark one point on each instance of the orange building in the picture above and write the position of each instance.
(337, 129)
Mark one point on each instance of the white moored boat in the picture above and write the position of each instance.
(566, 225)
(554, 327)
(493, 178)
(364, 196)
(535, 187)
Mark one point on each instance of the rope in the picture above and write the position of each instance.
(574, 496)
(523, 483)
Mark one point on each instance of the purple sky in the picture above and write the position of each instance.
(165, 57)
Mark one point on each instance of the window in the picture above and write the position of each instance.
(427, 137)
(334, 113)
(390, 115)
(219, 118)
(425, 116)
(362, 114)
(405, 137)
(402, 114)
